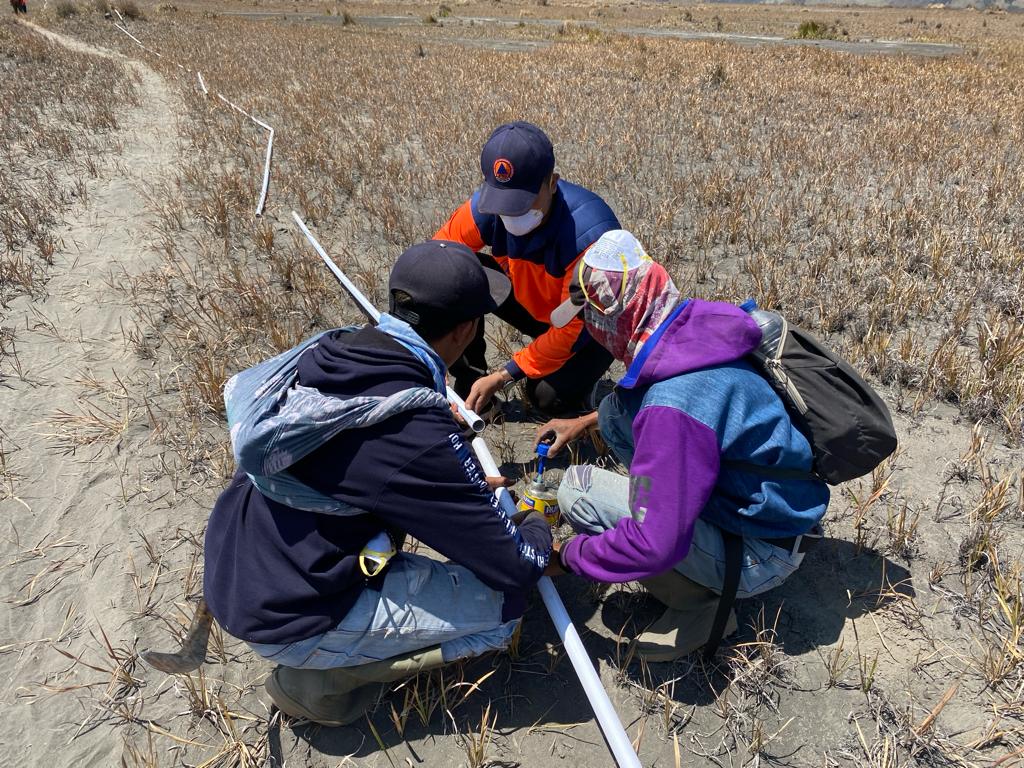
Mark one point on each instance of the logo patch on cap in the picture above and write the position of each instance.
(503, 170)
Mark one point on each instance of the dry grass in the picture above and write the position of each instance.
(60, 109)
(920, 282)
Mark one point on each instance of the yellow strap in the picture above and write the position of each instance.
(378, 565)
(622, 288)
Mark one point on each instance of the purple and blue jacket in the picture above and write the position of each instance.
(701, 416)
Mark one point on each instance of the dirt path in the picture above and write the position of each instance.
(66, 534)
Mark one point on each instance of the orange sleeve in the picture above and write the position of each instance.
(461, 228)
(550, 351)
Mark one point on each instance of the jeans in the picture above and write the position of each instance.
(422, 603)
(593, 500)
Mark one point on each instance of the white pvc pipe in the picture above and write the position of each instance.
(619, 743)
(270, 150)
(237, 108)
(202, 84)
(472, 419)
(266, 175)
(140, 43)
(364, 305)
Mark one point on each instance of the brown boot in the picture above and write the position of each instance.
(686, 623)
(674, 590)
(342, 695)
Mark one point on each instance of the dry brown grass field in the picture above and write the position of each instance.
(874, 199)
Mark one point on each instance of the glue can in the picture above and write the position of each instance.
(539, 496)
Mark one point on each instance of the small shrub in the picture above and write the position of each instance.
(443, 11)
(65, 9)
(429, 19)
(129, 9)
(716, 76)
(812, 30)
(347, 19)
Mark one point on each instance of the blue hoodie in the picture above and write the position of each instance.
(277, 574)
(699, 412)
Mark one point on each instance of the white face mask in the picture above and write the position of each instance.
(522, 225)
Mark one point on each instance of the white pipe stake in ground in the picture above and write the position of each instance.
(202, 84)
(474, 421)
(266, 175)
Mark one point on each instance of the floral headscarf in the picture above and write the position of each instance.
(625, 295)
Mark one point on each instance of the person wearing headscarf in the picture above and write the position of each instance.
(711, 451)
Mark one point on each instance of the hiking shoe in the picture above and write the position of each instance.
(674, 590)
(601, 389)
(686, 624)
(301, 693)
(342, 695)
(680, 632)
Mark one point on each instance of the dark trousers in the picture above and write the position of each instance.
(561, 392)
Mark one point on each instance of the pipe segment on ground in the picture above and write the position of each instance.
(607, 718)
(270, 150)
(266, 174)
(141, 44)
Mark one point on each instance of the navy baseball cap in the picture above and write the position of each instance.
(515, 162)
(445, 284)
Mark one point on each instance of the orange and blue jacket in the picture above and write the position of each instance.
(540, 265)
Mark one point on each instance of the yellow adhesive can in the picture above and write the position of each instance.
(539, 498)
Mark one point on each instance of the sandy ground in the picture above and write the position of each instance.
(67, 533)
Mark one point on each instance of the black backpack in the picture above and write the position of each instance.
(842, 417)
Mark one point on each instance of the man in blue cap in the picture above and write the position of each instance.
(537, 226)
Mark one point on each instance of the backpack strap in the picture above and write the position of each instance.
(733, 545)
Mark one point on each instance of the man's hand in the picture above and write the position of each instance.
(564, 431)
(555, 563)
(494, 483)
(484, 388)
